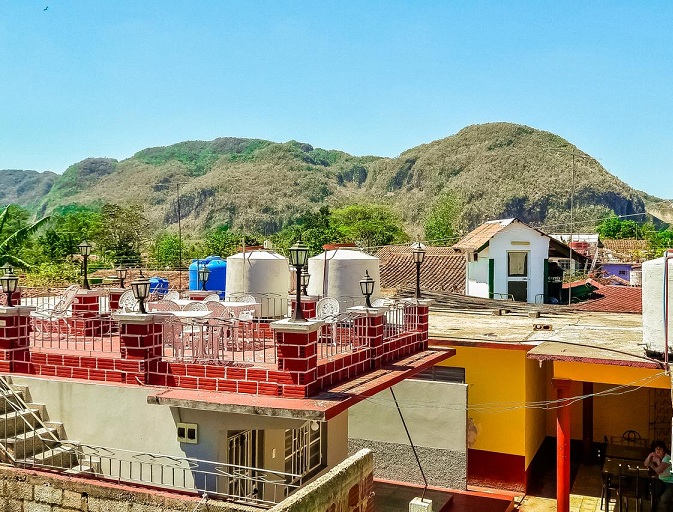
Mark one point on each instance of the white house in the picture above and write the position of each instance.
(509, 259)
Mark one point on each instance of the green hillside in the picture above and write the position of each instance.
(493, 170)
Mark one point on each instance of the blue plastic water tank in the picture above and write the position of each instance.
(218, 274)
(159, 285)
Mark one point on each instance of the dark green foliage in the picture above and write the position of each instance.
(223, 242)
(441, 223)
(199, 156)
(368, 225)
(614, 227)
(70, 225)
(15, 233)
(121, 234)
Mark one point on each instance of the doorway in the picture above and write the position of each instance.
(517, 275)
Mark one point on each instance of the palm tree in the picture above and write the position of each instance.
(12, 242)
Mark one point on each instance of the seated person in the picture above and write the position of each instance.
(660, 462)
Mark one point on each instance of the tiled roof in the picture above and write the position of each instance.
(480, 236)
(385, 252)
(615, 299)
(624, 250)
(439, 272)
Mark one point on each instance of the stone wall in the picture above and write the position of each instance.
(25, 490)
(348, 487)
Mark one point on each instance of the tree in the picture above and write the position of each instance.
(614, 227)
(70, 225)
(121, 234)
(368, 225)
(13, 236)
(440, 224)
(223, 242)
(315, 228)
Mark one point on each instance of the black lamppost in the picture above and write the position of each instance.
(305, 277)
(367, 288)
(418, 252)
(121, 275)
(141, 290)
(85, 251)
(204, 275)
(8, 282)
(298, 258)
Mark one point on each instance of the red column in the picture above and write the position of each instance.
(307, 306)
(85, 311)
(115, 294)
(369, 333)
(562, 445)
(297, 349)
(141, 343)
(15, 339)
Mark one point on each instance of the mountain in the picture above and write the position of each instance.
(27, 188)
(493, 170)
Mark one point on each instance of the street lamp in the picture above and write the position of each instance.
(305, 277)
(8, 282)
(367, 288)
(141, 290)
(204, 275)
(85, 251)
(298, 258)
(418, 252)
(121, 275)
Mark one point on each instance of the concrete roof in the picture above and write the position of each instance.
(606, 338)
(321, 407)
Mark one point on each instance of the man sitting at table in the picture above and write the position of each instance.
(660, 462)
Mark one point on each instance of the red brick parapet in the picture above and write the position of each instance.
(15, 338)
(308, 305)
(297, 348)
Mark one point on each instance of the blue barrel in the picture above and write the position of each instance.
(218, 274)
(159, 285)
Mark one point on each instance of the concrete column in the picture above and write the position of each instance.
(562, 445)
(297, 348)
(15, 339)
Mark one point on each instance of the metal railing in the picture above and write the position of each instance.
(217, 340)
(80, 332)
(28, 442)
(400, 317)
(341, 334)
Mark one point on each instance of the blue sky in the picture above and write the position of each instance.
(106, 79)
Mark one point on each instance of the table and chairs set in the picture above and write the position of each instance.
(624, 474)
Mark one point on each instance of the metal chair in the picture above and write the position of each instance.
(46, 319)
(196, 306)
(127, 302)
(327, 310)
(213, 297)
(172, 295)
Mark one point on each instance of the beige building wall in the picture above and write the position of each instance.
(435, 414)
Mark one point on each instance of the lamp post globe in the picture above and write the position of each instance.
(204, 275)
(141, 290)
(305, 278)
(367, 288)
(121, 275)
(418, 253)
(298, 258)
(8, 282)
(85, 251)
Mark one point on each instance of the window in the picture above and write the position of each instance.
(622, 272)
(304, 450)
(517, 264)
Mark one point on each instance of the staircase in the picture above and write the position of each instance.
(27, 440)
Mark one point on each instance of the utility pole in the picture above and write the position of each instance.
(572, 230)
(177, 185)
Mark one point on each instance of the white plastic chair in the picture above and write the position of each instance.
(44, 318)
(213, 297)
(172, 295)
(327, 310)
(127, 302)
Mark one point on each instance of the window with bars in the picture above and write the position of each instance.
(304, 450)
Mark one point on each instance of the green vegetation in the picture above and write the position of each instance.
(659, 241)
(442, 220)
(14, 235)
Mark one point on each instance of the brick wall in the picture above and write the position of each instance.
(348, 487)
(25, 490)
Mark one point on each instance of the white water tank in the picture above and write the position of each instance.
(653, 304)
(337, 273)
(263, 274)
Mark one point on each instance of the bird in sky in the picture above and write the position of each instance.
(45, 8)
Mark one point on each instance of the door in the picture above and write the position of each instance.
(517, 275)
(242, 454)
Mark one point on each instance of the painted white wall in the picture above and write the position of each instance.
(499, 246)
(653, 304)
(477, 275)
(435, 414)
